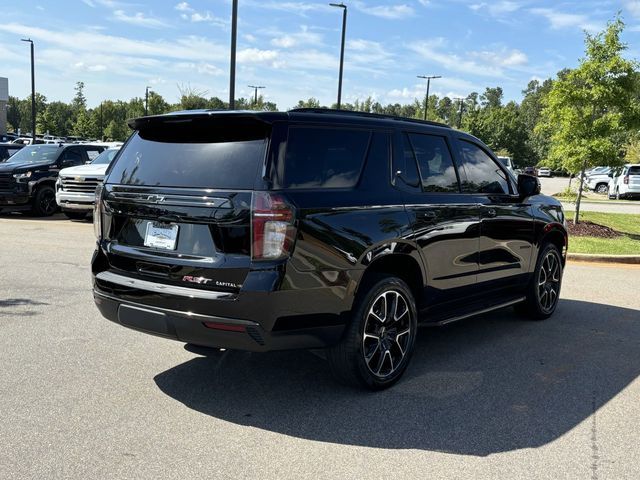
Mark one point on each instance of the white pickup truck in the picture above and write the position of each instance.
(76, 186)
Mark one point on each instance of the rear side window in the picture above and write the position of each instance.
(634, 171)
(198, 154)
(482, 174)
(324, 157)
(437, 172)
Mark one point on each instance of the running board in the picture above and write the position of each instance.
(473, 313)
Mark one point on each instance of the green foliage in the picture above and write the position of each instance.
(589, 111)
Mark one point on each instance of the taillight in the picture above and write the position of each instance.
(272, 228)
(625, 180)
(97, 213)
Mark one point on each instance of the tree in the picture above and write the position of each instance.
(309, 103)
(590, 110)
(116, 131)
(492, 97)
(79, 100)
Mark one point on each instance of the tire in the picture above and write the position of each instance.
(373, 352)
(602, 188)
(75, 215)
(44, 202)
(542, 298)
(610, 195)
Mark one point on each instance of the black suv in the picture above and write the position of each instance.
(318, 229)
(28, 177)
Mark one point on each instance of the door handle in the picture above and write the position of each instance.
(491, 212)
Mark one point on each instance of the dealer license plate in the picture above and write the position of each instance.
(161, 235)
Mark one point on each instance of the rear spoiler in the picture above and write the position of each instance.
(190, 116)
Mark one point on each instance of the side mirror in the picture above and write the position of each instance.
(528, 185)
(610, 174)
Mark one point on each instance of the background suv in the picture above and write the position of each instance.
(318, 229)
(625, 183)
(76, 186)
(28, 177)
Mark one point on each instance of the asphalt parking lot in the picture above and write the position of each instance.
(491, 397)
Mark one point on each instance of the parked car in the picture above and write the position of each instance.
(8, 137)
(626, 184)
(27, 178)
(8, 149)
(598, 180)
(317, 228)
(507, 162)
(544, 172)
(529, 171)
(76, 186)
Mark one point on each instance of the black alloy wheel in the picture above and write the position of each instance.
(379, 341)
(44, 202)
(543, 291)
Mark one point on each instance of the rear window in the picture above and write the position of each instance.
(323, 157)
(198, 153)
(634, 170)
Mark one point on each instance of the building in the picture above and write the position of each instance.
(4, 99)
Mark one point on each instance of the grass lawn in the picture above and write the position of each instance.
(625, 223)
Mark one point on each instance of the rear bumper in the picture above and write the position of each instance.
(210, 330)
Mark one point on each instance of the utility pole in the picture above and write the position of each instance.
(255, 97)
(101, 124)
(232, 70)
(426, 98)
(344, 29)
(33, 92)
(146, 101)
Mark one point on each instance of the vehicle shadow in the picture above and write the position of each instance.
(23, 215)
(490, 384)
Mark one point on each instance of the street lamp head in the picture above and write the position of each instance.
(26, 40)
(339, 5)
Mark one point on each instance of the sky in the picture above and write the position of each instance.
(118, 47)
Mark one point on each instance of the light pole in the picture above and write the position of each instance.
(232, 69)
(344, 29)
(33, 92)
(426, 98)
(255, 96)
(146, 101)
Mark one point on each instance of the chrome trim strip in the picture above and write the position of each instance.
(163, 288)
(473, 314)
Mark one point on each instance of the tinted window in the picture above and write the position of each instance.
(72, 156)
(324, 158)
(634, 171)
(175, 162)
(437, 172)
(482, 174)
(405, 167)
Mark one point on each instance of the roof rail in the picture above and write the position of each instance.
(333, 111)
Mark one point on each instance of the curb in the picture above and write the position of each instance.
(591, 257)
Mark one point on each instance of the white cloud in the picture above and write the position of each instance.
(138, 19)
(391, 12)
(496, 9)
(633, 6)
(183, 7)
(559, 20)
(431, 50)
(303, 37)
(249, 38)
(503, 57)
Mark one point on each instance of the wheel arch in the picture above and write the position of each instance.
(403, 266)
